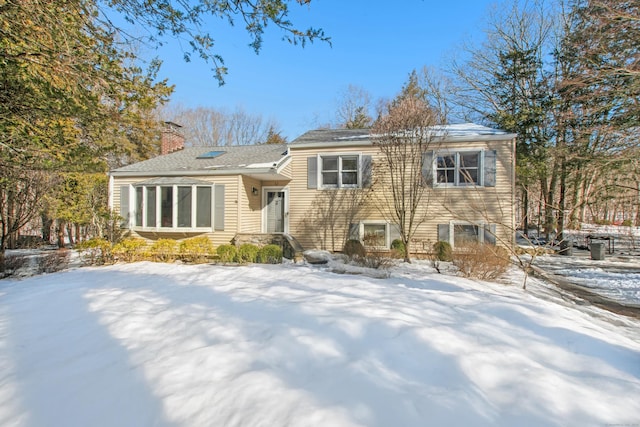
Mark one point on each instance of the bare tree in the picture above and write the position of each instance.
(353, 110)
(404, 134)
(204, 126)
(332, 212)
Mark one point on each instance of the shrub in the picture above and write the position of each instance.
(129, 249)
(196, 249)
(398, 248)
(375, 260)
(481, 261)
(247, 253)
(95, 251)
(354, 249)
(627, 223)
(442, 251)
(227, 253)
(164, 250)
(270, 254)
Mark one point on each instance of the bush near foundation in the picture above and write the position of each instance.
(129, 250)
(270, 254)
(247, 253)
(227, 253)
(443, 251)
(164, 250)
(481, 261)
(398, 250)
(354, 249)
(196, 249)
(96, 251)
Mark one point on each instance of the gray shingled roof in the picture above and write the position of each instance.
(332, 136)
(463, 131)
(235, 158)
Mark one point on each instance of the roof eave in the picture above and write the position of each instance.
(344, 143)
(442, 139)
(199, 172)
(476, 138)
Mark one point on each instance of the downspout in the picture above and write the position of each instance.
(239, 204)
(111, 192)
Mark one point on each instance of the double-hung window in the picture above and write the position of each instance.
(458, 168)
(459, 233)
(339, 171)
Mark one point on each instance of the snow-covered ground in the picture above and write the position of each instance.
(617, 278)
(292, 345)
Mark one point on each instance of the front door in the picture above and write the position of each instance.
(275, 211)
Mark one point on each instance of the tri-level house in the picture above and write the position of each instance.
(322, 188)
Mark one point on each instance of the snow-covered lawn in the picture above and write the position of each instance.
(291, 345)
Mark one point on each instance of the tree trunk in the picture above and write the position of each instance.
(70, 233)
(12, 240)
(549, 217)
(407, 250)
(61, 227)
(10, 236)
(562, 201)
(525, 209)
(46, 228)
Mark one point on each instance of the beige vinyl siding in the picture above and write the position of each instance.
(117, 183)
(307, 221)
(287, 171)
(310, 224)
(250, 211)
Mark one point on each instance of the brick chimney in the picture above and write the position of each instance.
(172, 140)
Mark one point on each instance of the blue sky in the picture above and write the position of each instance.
(375, 45)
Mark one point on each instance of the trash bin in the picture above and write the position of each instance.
(566, 247)
(597, 250)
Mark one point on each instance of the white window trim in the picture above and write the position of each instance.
(320, 181)
(481, 227)
(174, 213)
(456, 175)
(387, 233)
(265, 190)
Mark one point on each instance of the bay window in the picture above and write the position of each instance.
(175, 206)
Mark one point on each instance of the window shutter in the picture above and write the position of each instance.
(427, 168)
(490, 168)
(367, 166)
(312, 172)
(354, 232)
(490, 234)
(218, 223)
(394, 232)
(124, 206)
(443, 233)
